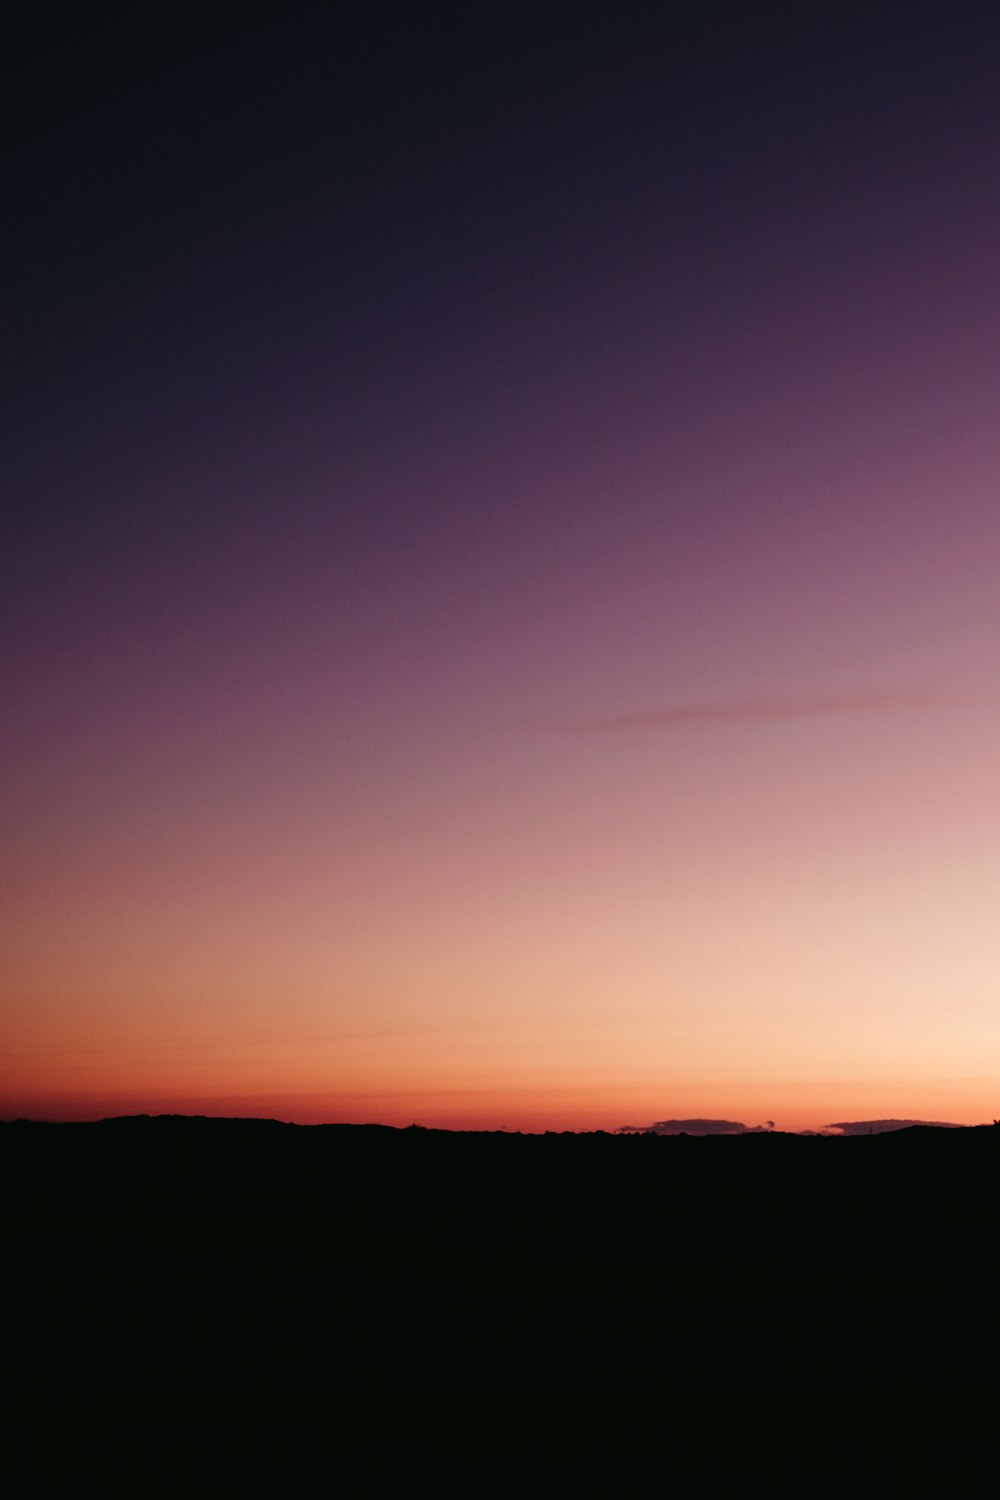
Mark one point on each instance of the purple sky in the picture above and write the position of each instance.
(501, 598)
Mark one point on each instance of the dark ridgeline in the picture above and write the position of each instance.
(353, 1286)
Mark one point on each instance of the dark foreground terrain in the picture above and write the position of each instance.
(208, 1307)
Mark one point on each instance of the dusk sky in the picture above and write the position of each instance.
(502, 587)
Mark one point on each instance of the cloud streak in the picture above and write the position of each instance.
(685, 1127)
(883, 1127)
(764, 709)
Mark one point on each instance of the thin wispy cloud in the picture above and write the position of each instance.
(884, 1127)
(765, 709)
(687, 1127)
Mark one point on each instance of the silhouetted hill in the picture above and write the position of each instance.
(263, 1260)
(883, 1127)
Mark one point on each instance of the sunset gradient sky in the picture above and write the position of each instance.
(503, 602)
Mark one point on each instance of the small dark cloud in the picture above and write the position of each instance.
(687, 1127)
(764, 709)
(879, 1127)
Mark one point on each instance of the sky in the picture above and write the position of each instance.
(500, 609)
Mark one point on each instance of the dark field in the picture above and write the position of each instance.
(207, 1306)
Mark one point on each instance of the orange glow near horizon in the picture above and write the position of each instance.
(528, 1111)
(752, 924)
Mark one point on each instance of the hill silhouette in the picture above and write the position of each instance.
(880, 1127)
(374, 1271)
(687, 1127)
